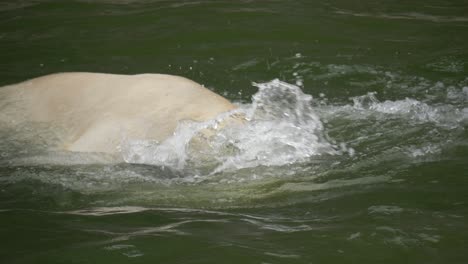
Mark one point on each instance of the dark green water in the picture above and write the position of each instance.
(390, 84)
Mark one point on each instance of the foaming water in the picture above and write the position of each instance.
(285, 143)
(279, 127)
(414, 110)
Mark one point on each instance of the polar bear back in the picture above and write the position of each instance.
(99, 110)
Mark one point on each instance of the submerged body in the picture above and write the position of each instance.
(97, 112)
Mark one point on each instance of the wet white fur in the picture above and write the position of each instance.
(98, 111)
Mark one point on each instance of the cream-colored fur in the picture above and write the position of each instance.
(99, 110)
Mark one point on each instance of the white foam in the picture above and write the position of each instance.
(384, 209)
(444, 115)
(354, 236)
(414, 151)
(279, 127)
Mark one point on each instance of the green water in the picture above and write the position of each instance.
(398, 194)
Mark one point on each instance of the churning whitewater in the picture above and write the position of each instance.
(280, 127)
(282, 132)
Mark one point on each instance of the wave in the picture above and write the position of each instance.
(414, 110)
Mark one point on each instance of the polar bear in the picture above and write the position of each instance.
(98, 110)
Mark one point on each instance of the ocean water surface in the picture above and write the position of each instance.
(354, 147)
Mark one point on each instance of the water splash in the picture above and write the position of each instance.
(279, 127)
(417, 111)
(283, 144)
